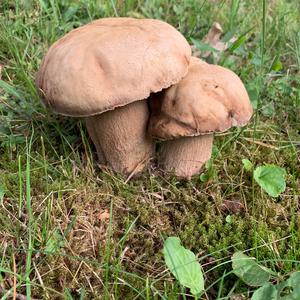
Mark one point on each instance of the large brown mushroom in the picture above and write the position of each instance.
(103, 71)
(208, 99)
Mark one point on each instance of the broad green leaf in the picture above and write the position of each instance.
(248, 166)
(229, 219)
(268, 110)
(183, 265)
(286, 290)
(247, 269)
(289, 289)
(276, 65)
(267, 291)
(203, 46)
(271, 179)
(54, 243)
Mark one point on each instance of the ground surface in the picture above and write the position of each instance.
(94, 236)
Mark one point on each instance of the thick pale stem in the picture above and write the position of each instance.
(185, 156)
(121, 138)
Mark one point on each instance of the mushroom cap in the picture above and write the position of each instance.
(208, 99)
(111, 62)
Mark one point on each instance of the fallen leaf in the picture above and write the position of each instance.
(232, 206)
(213, 36)
(104, 215)
(213, 39)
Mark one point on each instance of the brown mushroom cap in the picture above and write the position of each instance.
(111, 62)
(208, 99)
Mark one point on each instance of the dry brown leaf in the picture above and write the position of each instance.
(213, 38)
(232, 206)
(214, 35)
(104, 215)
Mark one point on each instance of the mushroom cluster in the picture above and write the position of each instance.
(134, 81)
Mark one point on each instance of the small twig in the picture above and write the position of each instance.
(40, 278)
(261, 143)
(135, 170)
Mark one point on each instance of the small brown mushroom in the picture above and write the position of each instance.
(103, 71)
(208, 99)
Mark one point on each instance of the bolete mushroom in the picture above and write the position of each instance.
(104, 71)
(208, 99)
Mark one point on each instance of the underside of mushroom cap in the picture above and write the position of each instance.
(109, 63)
(208, 99)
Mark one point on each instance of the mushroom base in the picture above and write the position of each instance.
(121, 138)
(185, 156)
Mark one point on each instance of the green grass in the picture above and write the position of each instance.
(69, 230)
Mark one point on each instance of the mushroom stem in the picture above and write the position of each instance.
(121, 138)
(185, 156)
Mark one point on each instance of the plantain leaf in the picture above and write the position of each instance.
(267, 291)
(289, 289)
(248, 270)
(183, 265)
(286, 290)
(276, 65)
